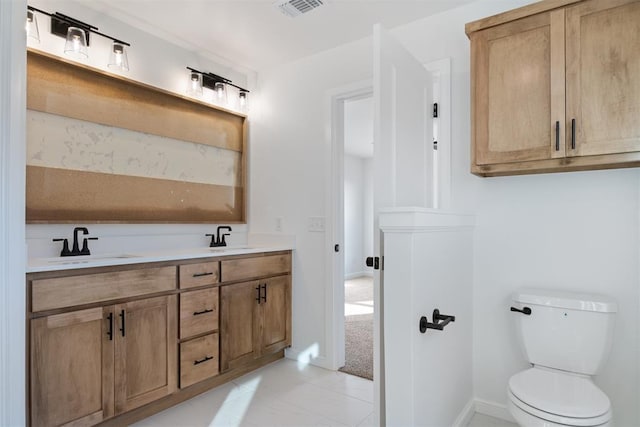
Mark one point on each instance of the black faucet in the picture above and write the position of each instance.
(218, 240)
(76, 243)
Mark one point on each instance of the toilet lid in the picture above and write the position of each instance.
(559, 393)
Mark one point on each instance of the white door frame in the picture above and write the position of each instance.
(13, 15)
(334, 303)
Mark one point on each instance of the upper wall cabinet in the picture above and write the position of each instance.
(556, 87)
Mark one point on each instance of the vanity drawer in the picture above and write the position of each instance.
(200, 274)
(249, 268)
(199, 359)
(198, 312)
(50, 294)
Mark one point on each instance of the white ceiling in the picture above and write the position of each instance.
(358, 127)
(254, 34)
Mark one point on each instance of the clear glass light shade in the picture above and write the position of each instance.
(243, 100)
(118, 58)
(32, 26)
(76, 45)
(220, 96)
(194, 85)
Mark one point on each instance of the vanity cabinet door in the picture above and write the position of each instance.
(518, 90)
(72, 368)
(603, 76)
(239, 324)
(276, 314)
(145, 351)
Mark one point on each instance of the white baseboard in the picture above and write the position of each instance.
(358, 274)
(303, 357)
(463, 419)
(493, 409)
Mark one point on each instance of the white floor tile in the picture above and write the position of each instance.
(336, 406)
(284, 414)
(369, 421)
(350, 385)
(481, 420)
(280, 394)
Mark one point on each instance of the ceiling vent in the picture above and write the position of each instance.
(294, 8)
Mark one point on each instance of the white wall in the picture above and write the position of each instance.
(290, 164)
(12, 250)
(353, 217)
(565, 231)
(574, 231)
(155, 62)
(358, 215)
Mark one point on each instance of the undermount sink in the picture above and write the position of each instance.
(83, 259)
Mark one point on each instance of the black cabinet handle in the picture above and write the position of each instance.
(525, 310)
(202, 274)
(439, 321)
(206, 310)
(557, 136)
(206, 358)
(110, 330)
(258, 298)
(573, 134)
(122, 317)
(264, 297)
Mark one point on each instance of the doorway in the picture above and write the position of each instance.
(335, 237)
(358, 236)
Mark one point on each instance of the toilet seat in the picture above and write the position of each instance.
(559, 397)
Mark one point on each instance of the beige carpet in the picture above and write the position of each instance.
(358, 327)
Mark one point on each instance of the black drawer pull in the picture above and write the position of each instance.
(206, 358)
(110, 330)
(557, 136)
(259, 294)
(203, 274)
(206, 310)
(573, 134)
(264, 288)
(122, 317)
(525, 310)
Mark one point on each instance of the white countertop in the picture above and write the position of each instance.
(36, 265)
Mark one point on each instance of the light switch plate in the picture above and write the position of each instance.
(316, 224)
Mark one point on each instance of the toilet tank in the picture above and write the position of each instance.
(567, 331)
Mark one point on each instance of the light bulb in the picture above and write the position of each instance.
(243, 100)
(221, 93)
(194, 85)
(118, 58)
(76, 45)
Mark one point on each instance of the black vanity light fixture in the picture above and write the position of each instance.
(77, 34)
(218, 84)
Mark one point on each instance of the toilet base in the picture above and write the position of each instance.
(524, 419)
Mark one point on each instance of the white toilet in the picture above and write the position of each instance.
(567, 338)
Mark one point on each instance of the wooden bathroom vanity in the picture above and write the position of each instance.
(115, 344)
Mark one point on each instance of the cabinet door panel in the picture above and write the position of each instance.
(239, 328)
(276, 314)
(603, 76)
(145, 354)
(69, 353)
(518, 95)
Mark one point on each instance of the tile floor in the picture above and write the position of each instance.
(480, 420)
(280, 394)
(284, 394)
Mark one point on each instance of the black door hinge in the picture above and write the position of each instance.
(435, 109)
